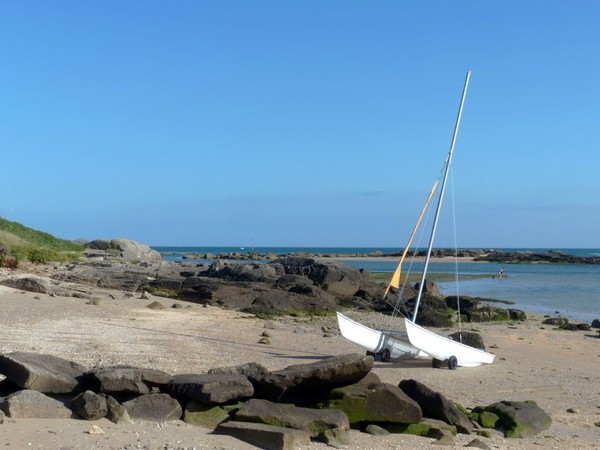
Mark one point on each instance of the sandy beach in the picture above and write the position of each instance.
(557, 369)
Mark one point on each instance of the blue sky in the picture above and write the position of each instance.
(313, 123)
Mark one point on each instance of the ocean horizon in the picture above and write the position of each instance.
(566, 290)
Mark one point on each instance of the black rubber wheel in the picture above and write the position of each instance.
(436, 363)
(370, 354)
(452, 363)
(385, 355)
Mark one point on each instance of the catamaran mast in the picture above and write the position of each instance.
(441, 196)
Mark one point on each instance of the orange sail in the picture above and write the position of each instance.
(395, 281)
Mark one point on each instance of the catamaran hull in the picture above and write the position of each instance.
(443, 348)
(387, 343)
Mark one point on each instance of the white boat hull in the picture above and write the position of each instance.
(442, 348)
(393, 343)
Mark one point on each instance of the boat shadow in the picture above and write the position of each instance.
(404, 363)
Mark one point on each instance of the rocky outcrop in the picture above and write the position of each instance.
(122, 248)
(340, 391)
(335, 277)
(536, 257)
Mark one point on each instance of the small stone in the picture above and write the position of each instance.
(264, 341)
(597, 424)
(573, 410)
(155, 305)
(95, 429)
(376, 430)
(146, 296)
(478, 443)
(265, 334)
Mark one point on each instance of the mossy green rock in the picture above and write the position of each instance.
(520, 419)
(487, 419)
(374, 403)
(204, 416)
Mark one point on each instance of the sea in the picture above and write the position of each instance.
(565, 290)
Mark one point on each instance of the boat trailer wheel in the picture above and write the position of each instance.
(452, 363)
(385, 355)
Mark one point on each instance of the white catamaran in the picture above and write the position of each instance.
(420, 342)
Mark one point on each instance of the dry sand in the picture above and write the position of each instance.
(557, 369)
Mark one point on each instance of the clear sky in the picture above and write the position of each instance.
(300, 123)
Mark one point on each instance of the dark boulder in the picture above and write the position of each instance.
(268, 437)
(520, 419)
(596, 323)
(436, 406)
(516, 314)
(154, 408)
(89, 405)
(307, 380)
(469, 338)
(125, 379)
(213, 388)
(246, 369)
(34, 404)
(313, 421)
(39, 372)
(336, 277)
(365, 402)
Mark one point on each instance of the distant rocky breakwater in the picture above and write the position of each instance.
(483, 255)
(256, 256)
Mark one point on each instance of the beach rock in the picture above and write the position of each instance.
(246, 369)
(469, 338)
(89, 405)
(39, 372)
(216, 388)
(263, 436)
(333, 276)
(125, 379)
(34, 404)
(519, 419)
(29, 283)
(134, 251)
(516, 314)
(435, 405)
(596, 323)
(306, 380)
(556, 321)
(154, 408)
(313, 421)
(376, 430)
(382, 402)
(240, 272)
(202, 415)
(116, 412)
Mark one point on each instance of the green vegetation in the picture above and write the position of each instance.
(19, 243)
